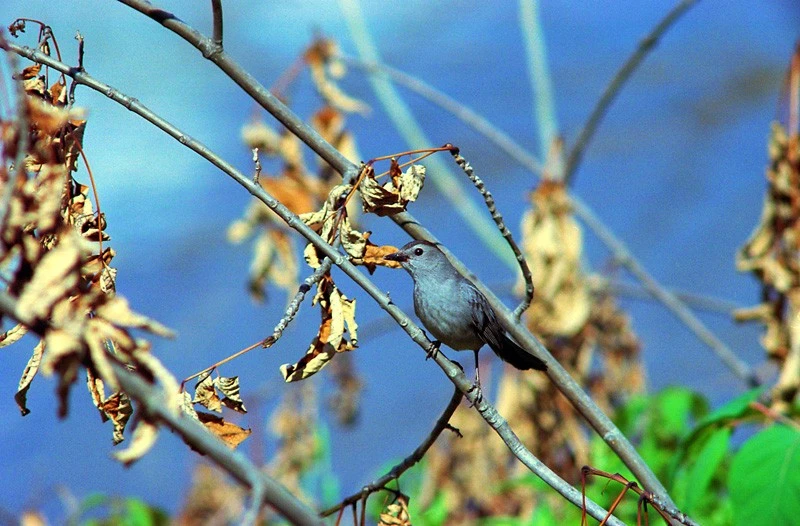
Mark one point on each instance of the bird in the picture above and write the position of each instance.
(454, 310)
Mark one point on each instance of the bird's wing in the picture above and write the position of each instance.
(486, 325)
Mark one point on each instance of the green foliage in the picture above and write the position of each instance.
(764, 478)
(118, 511)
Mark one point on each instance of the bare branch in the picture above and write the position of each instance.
(613, 88)
(679, 308)
(216, 12)
(441, 424)
(501, 225)
(153, 405)
(294, 306)
(291, 312)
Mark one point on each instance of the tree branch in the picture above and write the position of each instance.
(216, 13)
(153, 405)
(614, 87)
(441, 424)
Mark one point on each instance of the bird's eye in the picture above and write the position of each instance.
(418, 252)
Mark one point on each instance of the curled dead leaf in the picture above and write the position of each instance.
(206, 395)
(28, 374)
(394, 195)
(230, 388)
(231, 434)
(144, 436)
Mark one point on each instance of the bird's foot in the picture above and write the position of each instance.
(433, 350)
(478, 395)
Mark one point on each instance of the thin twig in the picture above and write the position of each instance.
(250, 518)
(152, 403)
(81, 52)
(633, 486)
(441, 424)
(294, 306)
(216, 13)
(601, 423)
(613, 88)
(619, 250)
(291, 312)
(501, 225)
(257, 165)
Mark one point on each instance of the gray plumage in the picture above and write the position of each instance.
(453, 310)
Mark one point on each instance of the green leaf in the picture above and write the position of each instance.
(675, 407)
(695, 441)
(708, 462)
(733, 410)
(764, 480)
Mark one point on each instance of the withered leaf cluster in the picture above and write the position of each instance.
(299, 187)
(56, 263)
(772, 254)
(322, 59)
(207, 394)
(326, 206)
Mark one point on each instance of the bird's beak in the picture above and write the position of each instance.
(396, 256)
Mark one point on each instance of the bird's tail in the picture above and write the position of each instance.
(515, 355)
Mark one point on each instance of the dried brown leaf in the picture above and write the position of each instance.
(353, 241)
(396, 514)
(54, 279)
(230, 388)
(374, 256)
(206, 395)
(97, 391)
(187, 405)
(144, 436)
(389, 198)
(117, 311)
(118, 408)
(13, 335)
(231, 434)
(317, 57)
(28, 374)
(317, 356)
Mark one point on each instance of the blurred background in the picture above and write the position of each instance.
(676, 170)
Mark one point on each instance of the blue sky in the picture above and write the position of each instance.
(676, 171)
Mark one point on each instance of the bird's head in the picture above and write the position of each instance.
(419, 257)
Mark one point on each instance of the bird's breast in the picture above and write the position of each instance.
(446, 316)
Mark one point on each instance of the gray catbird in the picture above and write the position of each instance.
(456, 312)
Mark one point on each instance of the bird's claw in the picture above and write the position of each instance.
(433, 350)
(478, 395)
